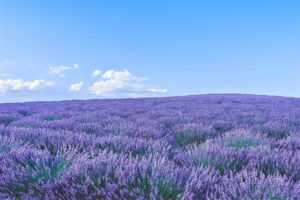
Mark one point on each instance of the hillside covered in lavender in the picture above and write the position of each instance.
(173, 148)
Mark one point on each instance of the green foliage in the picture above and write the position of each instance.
(242, 143)
(188, 137)
(169, 191)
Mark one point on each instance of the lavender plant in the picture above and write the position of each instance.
(205, 147)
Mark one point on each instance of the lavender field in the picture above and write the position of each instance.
(190, 148)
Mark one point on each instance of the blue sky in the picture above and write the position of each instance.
(49, 50)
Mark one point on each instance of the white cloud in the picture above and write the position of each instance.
(21, 85)
(61, 69)
(96, 73)
(121, 81)
(76, 87)
(157, 90)
(122, 75)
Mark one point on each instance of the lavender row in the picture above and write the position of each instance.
(197, 147)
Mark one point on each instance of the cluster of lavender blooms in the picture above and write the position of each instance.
(207, 147)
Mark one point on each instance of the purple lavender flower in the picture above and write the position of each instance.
(205, 147)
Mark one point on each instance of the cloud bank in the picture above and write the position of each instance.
(76, 87)
(96, 73)
(61, 69)
(113, 83)
(21, 85)
(121, 81)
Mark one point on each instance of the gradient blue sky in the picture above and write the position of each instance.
(180, 47)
